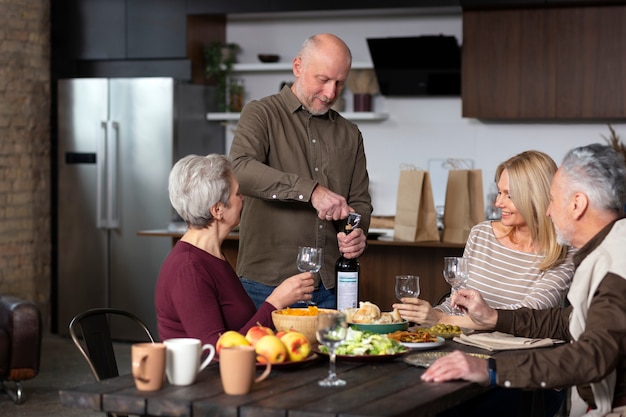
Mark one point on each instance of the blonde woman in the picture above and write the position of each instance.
(516, 261)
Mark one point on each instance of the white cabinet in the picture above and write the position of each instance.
(272, 70)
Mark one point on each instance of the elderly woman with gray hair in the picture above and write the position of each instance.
(198, 294)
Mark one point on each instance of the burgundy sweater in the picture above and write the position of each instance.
(200, 296)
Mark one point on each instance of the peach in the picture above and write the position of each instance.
(297, 344)
(255, 333)
(272, 348)
(231, 338)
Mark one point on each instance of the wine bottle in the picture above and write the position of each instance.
(347, 273)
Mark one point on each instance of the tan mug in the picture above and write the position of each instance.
(148, 365)
(182, 363)
(238, 369)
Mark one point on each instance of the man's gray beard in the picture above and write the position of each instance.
(314, 113)
(562, 240)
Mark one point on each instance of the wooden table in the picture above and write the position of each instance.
(380, 263)
(387, 389)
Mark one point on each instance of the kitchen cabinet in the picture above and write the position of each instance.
(552, 64)
(269, 6)
(475, 4)
(123, 29)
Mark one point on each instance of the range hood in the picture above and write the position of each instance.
(417, 66)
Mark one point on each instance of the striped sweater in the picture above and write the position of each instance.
(510, 279)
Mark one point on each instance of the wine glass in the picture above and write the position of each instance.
(407, 286)
(456, 272)
(331, 330)
(309, 259)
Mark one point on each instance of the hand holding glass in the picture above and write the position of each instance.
(309, 260)
(331, 330)
(407, 286)
(456, 273)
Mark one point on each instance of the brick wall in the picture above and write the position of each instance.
(25, 259)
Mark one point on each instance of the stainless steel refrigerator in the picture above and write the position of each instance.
(117, 141)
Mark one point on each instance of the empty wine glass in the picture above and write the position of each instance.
(407, 286)
(309, 259)
(456, 273)
(331, 331)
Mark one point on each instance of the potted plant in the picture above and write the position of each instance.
(218, 60)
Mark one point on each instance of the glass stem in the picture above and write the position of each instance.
(331, 370)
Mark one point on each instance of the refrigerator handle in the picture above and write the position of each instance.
(106, 183)
(101, 165)
(113, 218)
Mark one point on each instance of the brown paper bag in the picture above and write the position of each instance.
(464, 205)
(416, 219)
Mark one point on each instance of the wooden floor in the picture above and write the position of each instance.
(61, 366)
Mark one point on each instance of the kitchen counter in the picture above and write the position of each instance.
(380, 263)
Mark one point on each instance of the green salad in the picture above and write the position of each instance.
(367, 343)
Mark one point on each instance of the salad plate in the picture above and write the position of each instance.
(425, 345)
(360, 346)
(363, 358)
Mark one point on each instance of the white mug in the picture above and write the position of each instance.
(183, 359)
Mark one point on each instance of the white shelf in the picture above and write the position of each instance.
(355, 116)
(283, 66)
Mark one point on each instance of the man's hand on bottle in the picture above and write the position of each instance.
(353, 244)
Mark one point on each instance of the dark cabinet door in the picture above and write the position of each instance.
(591, 58)
(95, 29)
(508, 65)
(125, 29)
(156, 29)
(552, 63)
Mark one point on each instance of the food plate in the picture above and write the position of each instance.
(363, 358)
(425, 345)
(425, 359)
(380, 328)
(292, 364)
(445, 335)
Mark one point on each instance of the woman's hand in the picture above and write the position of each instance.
(457, 365)
(418, 311)
(293, 289)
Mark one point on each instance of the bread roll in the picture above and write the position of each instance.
(395, 314)
(367, 313)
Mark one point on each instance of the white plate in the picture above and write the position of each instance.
(425, 345)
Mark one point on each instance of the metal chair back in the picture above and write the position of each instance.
(91, 333)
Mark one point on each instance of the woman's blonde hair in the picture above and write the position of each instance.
(530, 174)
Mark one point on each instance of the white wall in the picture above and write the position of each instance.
(418, 129)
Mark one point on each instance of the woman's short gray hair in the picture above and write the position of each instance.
(196, 184)
(598, 171)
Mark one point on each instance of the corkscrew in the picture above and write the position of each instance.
(353, 221)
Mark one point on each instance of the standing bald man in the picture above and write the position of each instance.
(302, 168)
